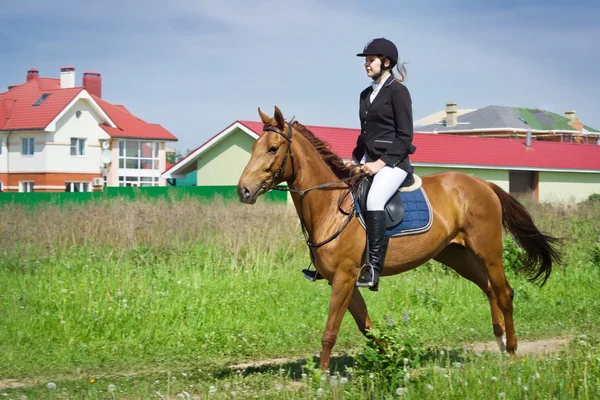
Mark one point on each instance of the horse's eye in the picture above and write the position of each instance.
(273, 149)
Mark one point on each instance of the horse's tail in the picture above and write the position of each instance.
(540, 248)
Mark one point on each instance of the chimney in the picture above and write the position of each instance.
(451, 117)
(570, 115)
(67, 77)
(32, 74)
(92, 82)
(528, 139)
(11, 86)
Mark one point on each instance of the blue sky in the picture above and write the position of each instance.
(196, 66)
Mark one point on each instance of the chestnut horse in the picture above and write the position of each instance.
(468, 219)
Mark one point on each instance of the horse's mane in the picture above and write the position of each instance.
(334, 161)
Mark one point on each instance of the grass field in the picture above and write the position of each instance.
(158, 298)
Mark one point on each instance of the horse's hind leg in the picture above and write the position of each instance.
(469, 266)
(358, 309)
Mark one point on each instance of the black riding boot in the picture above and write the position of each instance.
(369, 273)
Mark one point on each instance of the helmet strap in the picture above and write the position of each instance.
(382, 69)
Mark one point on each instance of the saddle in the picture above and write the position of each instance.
(394, 209)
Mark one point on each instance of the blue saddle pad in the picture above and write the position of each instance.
(418, 215)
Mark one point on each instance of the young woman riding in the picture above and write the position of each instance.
(383, 146)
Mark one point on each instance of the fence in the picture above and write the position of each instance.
(171, 193)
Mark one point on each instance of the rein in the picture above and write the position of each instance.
(303, 193)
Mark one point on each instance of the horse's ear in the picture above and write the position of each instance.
(264, 117)
(279, 118)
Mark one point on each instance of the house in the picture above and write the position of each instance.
(56, 136)
(545, 171)
(515, 122)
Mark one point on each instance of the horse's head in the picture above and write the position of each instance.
(271, 160)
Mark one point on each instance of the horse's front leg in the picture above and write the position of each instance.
(342, 289)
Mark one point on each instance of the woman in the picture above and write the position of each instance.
(383, 146)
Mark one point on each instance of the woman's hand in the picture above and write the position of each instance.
(374, 167)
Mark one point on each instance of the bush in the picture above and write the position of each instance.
(513, 255)
(594, 197)
(390, 353)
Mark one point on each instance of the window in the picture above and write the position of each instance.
(138, 181)
(27, 149)
(26, 186)
(77, 147)
(1, 186)
(1, 146)
(138, 163)
(39, 101)
(77, 186)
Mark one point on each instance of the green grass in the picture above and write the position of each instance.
(90, 293)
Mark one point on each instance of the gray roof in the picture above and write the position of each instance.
(484, 118)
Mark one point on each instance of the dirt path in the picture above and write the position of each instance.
(525, 348)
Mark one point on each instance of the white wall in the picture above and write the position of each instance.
(567, 186)
(19, 163)
(59, 158)
(3, 152)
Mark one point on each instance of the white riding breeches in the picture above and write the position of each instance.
(385, 183)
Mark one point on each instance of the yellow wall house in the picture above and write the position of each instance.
(542, 171)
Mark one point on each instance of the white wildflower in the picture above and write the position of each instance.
(501, 395)
(472, 330)
(343, 380)
(582, 342)
(51, 385)
(320, 392)
(429, 387)
(446, 376)
(458, 364)
(405, 361)
(212, 389)
(537, 375)
(442, 352)
(525, 388)
(371, 375)
(519, 381)
(400, 391)
(278, 387)
(111, 388)
(494, 379)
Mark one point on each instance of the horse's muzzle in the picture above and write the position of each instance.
(247, 195)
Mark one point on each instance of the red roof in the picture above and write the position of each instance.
(130, 126)
(458, 150)
(18, 113)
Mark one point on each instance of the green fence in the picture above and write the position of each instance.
(227, 193)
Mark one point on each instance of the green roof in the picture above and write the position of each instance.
(546, 120)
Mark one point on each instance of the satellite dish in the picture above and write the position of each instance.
(106, 156)
(105, 145)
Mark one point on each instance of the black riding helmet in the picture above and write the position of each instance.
(383, 48)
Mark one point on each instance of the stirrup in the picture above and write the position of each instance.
(312, 275)
(370, 284)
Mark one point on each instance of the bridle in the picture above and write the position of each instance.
(303, 193)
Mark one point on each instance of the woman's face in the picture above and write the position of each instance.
(373, 65)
